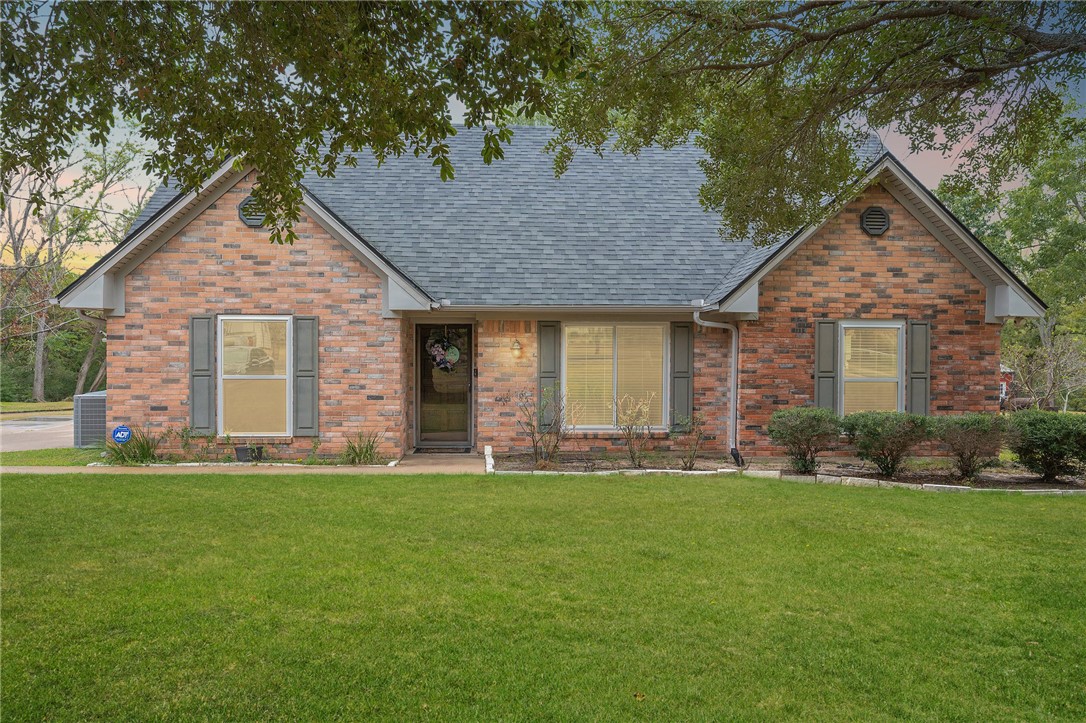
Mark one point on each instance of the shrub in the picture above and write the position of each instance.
(362, 449)
(884, 438)
(547, 421)
(633, 422)
(690, 433)
(141, 448)
(974, 440)
(1049, 443)
(804, 432)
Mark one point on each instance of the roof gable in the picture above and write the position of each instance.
(1007, 294)
(102, 285)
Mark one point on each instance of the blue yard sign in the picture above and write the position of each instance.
(121, 434)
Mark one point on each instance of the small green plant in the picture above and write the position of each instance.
(255, 452)
(884, 438)
(690, 433)
(314, 448)
(141, 448)
(1049, 444)
(186, 435)
(363, 449)
(207, 448)
(974, 440)
(804, 432)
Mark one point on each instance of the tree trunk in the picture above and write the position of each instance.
(1045, 327)
(39, 357)
(96, 341)
(99, 376)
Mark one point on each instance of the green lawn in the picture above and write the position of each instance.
(529, 598)
(25, 407)
(59, 457)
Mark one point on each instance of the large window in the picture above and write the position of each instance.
(872, 366)
(613, 366)
(254, 375)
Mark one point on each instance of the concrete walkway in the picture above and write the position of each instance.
(411, 464)
(43, 431)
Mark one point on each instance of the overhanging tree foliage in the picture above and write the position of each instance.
(781, 93)
(289, 87)
(777, 92)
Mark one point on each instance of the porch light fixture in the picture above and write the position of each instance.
(516, 348)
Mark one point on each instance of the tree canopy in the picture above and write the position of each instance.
(780, 94)
(777, 93)
(1038, 228)
(288, 87)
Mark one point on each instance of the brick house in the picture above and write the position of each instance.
(420, 310)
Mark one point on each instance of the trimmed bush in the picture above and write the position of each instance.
(974, 440)
(804, 432)
(884, 438)
(1049, 444)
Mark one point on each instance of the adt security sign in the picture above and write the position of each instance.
(121, 434)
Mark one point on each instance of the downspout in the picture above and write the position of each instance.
(733, 428)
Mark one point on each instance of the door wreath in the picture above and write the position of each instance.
(444, 350)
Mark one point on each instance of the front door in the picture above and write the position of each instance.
(443, 361)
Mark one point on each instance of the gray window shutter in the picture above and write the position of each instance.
(918, 350)
(550, 364)
(305, 376)
(682, 373)
(825, 375)
(202, 375)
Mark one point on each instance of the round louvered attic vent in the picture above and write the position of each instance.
(248, 213)
(875, 220)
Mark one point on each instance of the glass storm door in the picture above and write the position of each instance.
(443, 362)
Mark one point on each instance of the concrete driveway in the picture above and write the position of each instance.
(44, 431)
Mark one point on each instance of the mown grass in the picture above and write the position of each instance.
(25, 407)
(58, 457)
(536, 598)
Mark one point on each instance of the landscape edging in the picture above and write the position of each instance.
(787, 477)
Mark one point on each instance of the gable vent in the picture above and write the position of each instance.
(248, 213)
(875, 220)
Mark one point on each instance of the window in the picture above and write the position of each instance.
(872, 366)
(605, 363)
(254, 375)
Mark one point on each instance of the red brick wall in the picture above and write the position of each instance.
(217, 265)
(712, 384)
(842, 273)
(501, 376)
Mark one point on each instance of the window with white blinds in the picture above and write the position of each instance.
(872, 367)
(254, 379)
(606, 363)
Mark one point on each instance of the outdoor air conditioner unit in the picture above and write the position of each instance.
(89, 417)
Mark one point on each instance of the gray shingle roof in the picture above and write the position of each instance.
(618, 230)
(870, 151)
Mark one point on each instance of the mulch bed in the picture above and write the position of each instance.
(1007, 477)
(575, 462)
(1004, 477)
